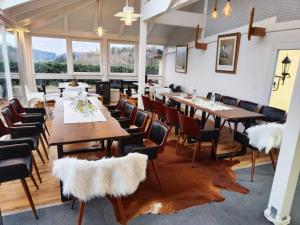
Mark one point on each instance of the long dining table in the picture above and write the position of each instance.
(217, 109)
(72, 133)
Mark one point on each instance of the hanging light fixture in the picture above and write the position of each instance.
(100, 30)
(227, 9)
(214, 13)
(128, 15)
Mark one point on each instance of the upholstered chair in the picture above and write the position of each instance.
(139, 124)
(154, 143)
(16, 164)
(117, 110)
(190, 128)
(12, 120)
(243, 139)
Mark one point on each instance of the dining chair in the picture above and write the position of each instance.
(29, 112)
(16, 164)
(117, 110)
(22, 135)
(227, 100)
(246, 105)
(13, 121)
(139, 124)
(272, 114)
(154, 143)
(243, 139)
(191, 128)
(38, 97)
(129, 112)
(217, 99)
(159, 109)
(148, 105)
(217, 96)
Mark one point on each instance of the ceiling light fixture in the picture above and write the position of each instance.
(128, 15)
(100, 30)
(227, 9)
(214, 13)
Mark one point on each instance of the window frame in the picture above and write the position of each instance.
(100, 62)
(136, 50)
(32, 57)
(160, 72)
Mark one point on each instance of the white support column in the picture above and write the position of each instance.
(104, 66)
(69, 57)
(142, 57)
(288, 166)
(6, 64)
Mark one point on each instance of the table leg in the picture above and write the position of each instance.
(61, 92)
(218, 122)
(60, 154)
(186, 110)
(108, 146)
(203, 119)
(164, 99)
(1, 221)
(178, 106)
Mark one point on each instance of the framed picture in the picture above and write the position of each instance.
(228, 53)
(181, 58)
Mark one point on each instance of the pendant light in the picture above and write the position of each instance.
(227, 9)
(100, 30)
(128, 15)
(214, 14)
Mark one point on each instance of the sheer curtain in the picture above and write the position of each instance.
(25, 61)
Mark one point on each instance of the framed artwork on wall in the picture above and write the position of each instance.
(228, 53)
(181, 58)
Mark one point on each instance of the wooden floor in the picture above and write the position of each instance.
(13, 198)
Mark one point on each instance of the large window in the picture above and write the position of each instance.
(86, 56)
(121, 58)
(49, 55)
(154, 56)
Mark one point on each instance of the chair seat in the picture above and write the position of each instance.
(33, 142)
(13, 169)
(207, 135)
(128, 148)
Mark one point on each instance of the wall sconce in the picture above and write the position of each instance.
(286, 62)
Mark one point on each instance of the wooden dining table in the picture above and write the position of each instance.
(72, 133)
(231, 113)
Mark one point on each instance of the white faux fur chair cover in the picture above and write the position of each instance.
(90, 179)
(265, 136)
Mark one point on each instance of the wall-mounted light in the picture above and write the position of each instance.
(227, 9)
(286, 62)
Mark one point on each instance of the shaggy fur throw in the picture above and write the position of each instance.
(86, 180)
(266, 136)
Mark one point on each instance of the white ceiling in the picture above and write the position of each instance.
(79, 16)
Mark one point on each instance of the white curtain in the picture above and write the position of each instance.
(25, 61)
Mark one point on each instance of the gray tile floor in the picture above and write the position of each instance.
(237, 209)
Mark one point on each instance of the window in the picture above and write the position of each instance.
(86, 56)
(154, 55)
(121, 58)
(12, 51)
(49, 55)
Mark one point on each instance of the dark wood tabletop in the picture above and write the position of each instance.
(233, 113)
(62, 133)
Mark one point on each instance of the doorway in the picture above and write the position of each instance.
(284, 78)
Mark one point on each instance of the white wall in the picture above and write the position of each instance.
(256, 63)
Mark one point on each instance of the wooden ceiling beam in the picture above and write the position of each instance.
(54, 16)
(42, 11)
(6, 4)
(29, 6)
